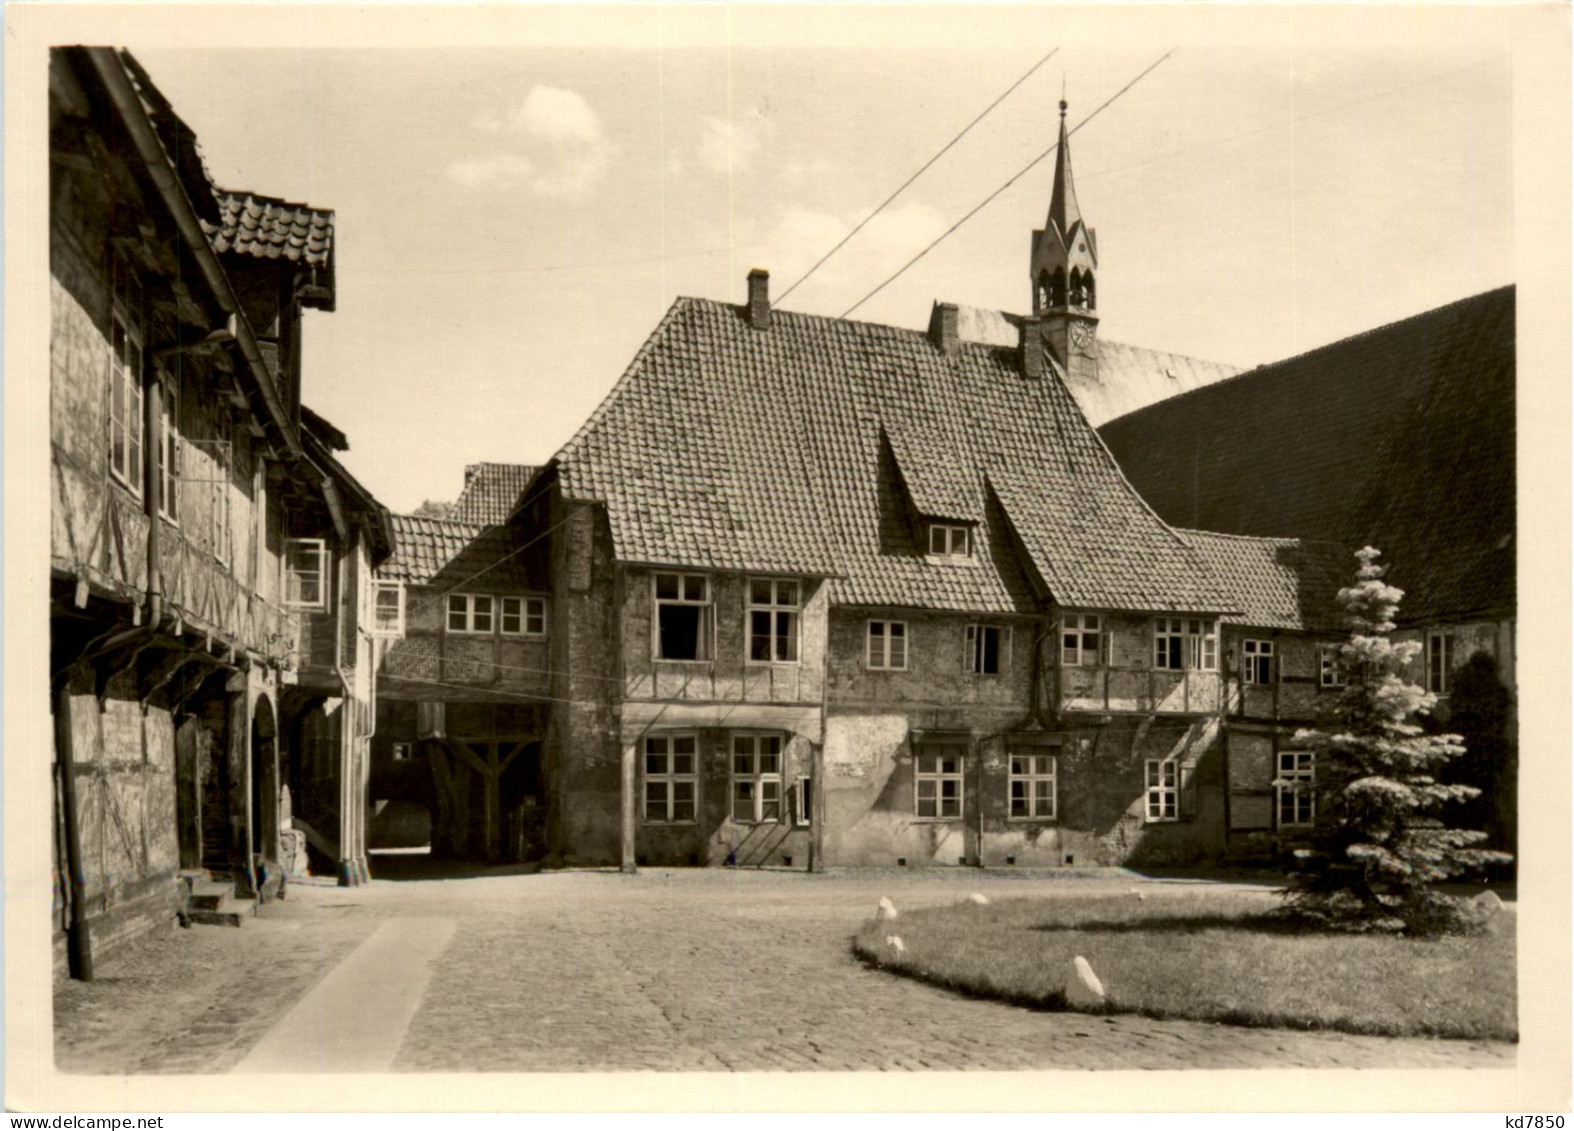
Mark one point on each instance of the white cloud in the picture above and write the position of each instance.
(555, 145)
(803, 235)
(725, 147)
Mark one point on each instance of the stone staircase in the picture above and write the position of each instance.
(214, 902)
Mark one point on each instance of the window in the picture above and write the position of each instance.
(982, 652)
(169, 450)
(223, 466)
(756, 778)
(469, 612)
(387, 608)
(939, 782)
(1257, 662)
(1294, 788)
(524, 616)
(1331, 668)
(1032, 785)
(305, 573)
(401, 752)
(803, 813)
(1162, 790)
(683, 612)
(671, 779)
(1080, 638)
(773, 622)
(1181, 642)
(125, 405)
(888, 645)
(950, 541)
(1439, 661)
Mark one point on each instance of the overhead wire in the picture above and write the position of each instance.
(922, 170)
(1018, 176)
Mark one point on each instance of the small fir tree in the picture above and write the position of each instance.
(1380, 843)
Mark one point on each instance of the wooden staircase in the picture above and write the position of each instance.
(214, 902)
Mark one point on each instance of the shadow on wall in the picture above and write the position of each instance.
(399, 824)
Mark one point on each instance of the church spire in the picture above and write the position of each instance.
(1063, 265)
(1063, 212)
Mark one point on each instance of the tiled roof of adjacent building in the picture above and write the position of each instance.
(1288, 583)
(491, 491)
(1129, 377)
(269, 228)
(727, 446)
(464, 556)
(1400, 438)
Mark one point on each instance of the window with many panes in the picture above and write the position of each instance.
(984, 649)
(1331, 667)
(1163, 789)
(888, 645)
(1185, 642)
(683, 616)
(1081, 639)
(223, 468)
(671, 779)
(125, 404)
(773, 621)
(1257, 661)
(950, 541)
(938, 781)
(756, 778)
(1294, 788)
(1439, 661)
(471, 612)
(387, 608)
(1032, 785)
(305, 573)
(523, 616)
(169, 450)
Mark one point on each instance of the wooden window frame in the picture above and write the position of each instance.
(128, 428)
(669, 777)
(705, 642)
(955, 541)
(803, 801)
(1331, 669)
(1295, 786)
(527, 609)
(323, 573)
(1030, 779)
(1185, 644)
(1259, 664)
(974, 649)
(1075, 631)
(1439, 659)
(940, 777)
(774, 609)
(377, 589)
(885, 637)
(744, 769)
(1161, 778)
(169, 449)
(470, 614)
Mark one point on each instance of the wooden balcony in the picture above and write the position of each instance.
(1117, 690)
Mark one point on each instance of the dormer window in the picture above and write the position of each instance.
(950, 541)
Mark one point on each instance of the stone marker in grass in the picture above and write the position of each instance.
(979, 898)
(1083, 988)
(895, 943)
(886, 911)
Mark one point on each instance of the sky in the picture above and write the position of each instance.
(514, 218)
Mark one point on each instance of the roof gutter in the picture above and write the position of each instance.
(107, 63)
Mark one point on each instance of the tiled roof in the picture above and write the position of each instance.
(455, 555)
(180, 144)
(1401, 438)
(491, 491)
(1288, 583)
(268, 228)
(1129, 377)
(729, 447)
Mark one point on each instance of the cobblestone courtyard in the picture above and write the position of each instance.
(694, 969)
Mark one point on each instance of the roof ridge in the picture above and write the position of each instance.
(1315, 350)
(1239, 369)
(440, 521)
(297, 204)
(1259, 537)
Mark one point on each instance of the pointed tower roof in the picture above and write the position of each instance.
(1064, 214)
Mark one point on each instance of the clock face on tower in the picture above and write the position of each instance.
(1082, 338)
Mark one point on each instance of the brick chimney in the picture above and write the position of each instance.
(760, 299)
(943, 328)
(1033, 360)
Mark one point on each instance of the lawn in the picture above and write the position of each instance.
(1210, 957)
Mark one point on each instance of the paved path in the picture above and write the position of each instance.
(689, 969)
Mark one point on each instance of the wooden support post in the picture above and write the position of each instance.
(79, 944)
(817, 807)
(630, 783)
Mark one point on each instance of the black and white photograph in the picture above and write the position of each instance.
(673, 545)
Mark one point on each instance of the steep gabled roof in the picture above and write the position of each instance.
(491, 492)
(1287, 583)
(464, 556)
(1401, 438)
(266, 227)
(727, 446)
